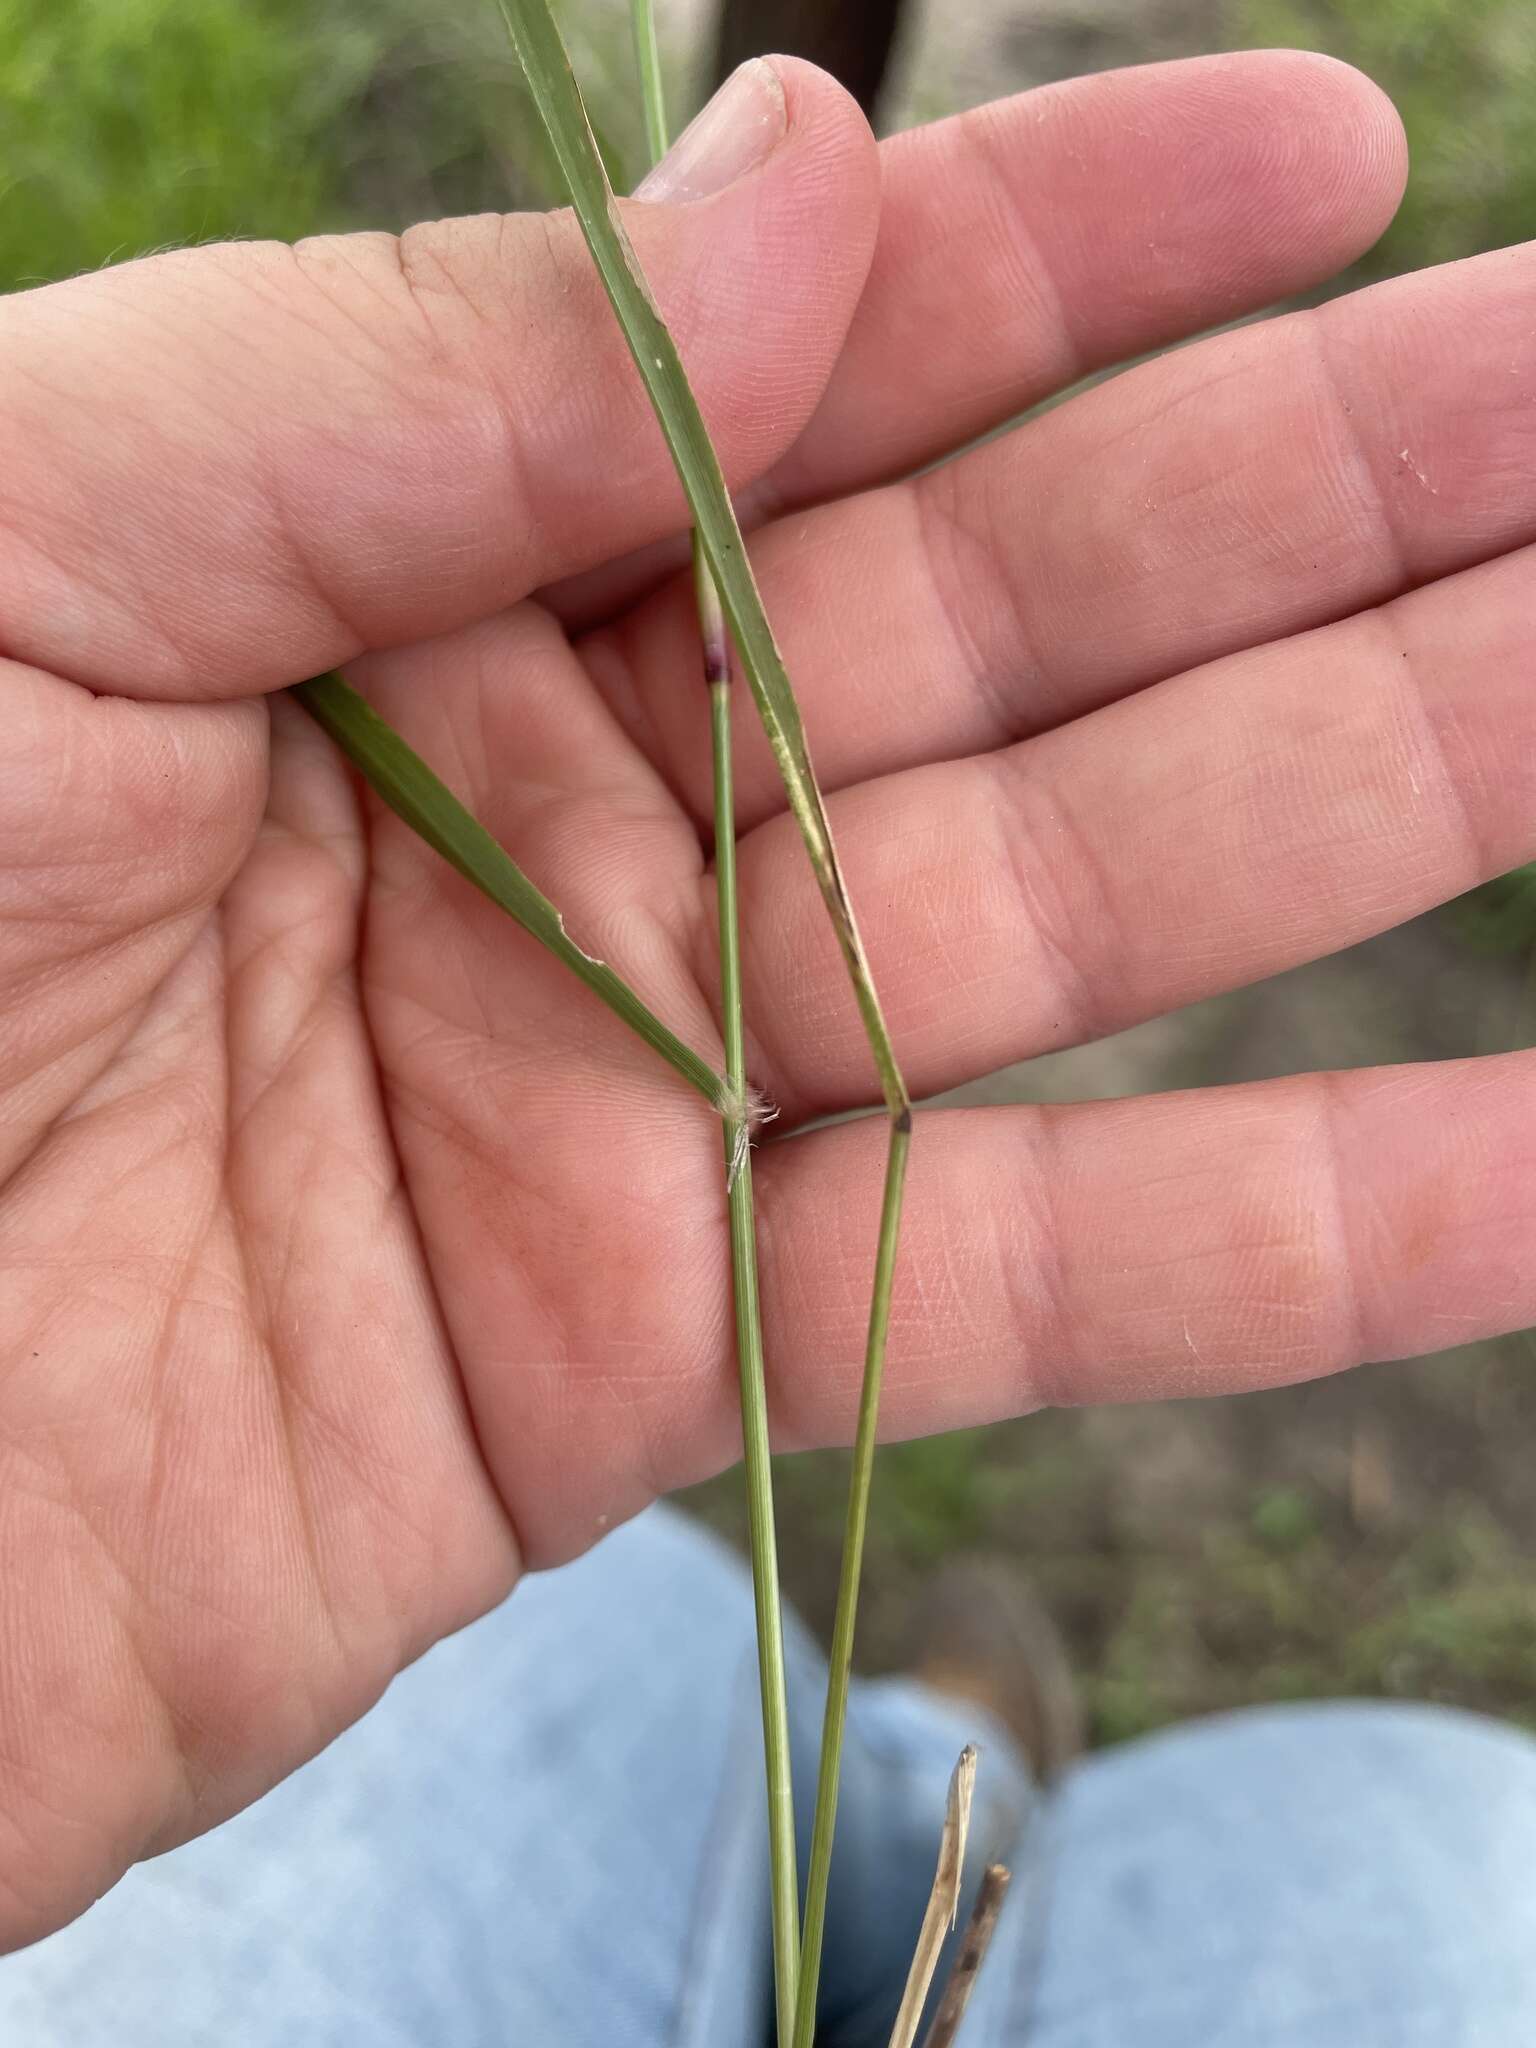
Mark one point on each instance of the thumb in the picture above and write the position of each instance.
(230, 467)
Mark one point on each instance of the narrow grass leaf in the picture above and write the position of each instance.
(555, 94)
(405, 782)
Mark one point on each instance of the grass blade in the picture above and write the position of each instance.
(405, 782)
(756, 1449)
(943, 1900)
(555, 94)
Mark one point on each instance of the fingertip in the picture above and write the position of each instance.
(824, 114)
(1349, 134)
(1333, 85)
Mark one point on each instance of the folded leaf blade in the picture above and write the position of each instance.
(403, 780)
(558, 99)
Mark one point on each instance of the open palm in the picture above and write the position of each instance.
(352, 1257)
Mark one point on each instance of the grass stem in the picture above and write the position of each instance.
(653, 98)
(749, 1351)
(840, 1657)
(756, 1448)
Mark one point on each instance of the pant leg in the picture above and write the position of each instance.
(551, 1832)
(1343, 1876)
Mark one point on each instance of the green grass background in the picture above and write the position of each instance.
(1373, 1536)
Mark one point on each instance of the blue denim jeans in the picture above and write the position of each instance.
(550, 1834)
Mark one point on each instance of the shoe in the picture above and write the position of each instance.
(980, 1634)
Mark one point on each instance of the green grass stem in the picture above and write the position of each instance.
(840, 1657)
(754, 1396)
(757, 1455)
(653, 97)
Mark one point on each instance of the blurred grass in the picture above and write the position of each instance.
(139, 123)
(1373, 1535)
(1463, 76)
(133, 125)
(1294, 1545)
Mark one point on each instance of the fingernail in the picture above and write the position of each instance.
(744, 121)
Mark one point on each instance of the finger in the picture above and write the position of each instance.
(1032, 241)
(1192, 1244)
(229, 468)
(119, 826)
(1029, 242)
(1253, 814)
(1252, 486)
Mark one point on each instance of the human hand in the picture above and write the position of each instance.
(352, 1257)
